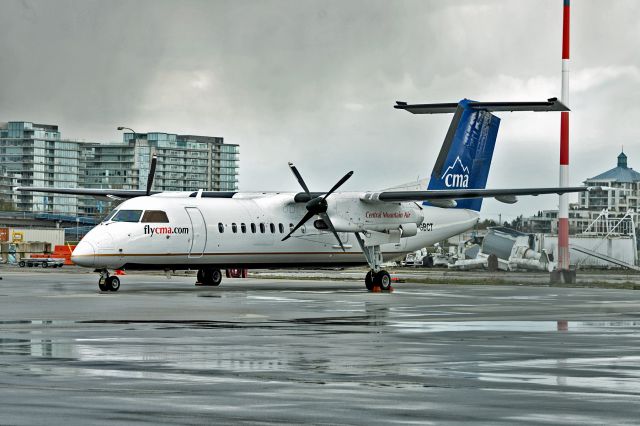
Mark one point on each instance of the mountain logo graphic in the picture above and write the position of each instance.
(456, 177)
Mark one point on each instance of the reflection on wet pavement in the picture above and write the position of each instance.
(260, 352)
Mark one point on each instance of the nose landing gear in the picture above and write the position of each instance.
(108, 283)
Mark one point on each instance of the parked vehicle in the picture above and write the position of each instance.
(46, 262)
(419, 258)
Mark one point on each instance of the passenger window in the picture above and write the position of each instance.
(127, 216)
(154, 216)
(281, 228)
(243, 228)
(253, 228)
(234, 228)
(220, 228)
(272, 228)
(261, 228)
(290, 226)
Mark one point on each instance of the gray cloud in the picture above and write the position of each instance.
(314, 81)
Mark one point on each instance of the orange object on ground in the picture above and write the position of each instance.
(64, 252)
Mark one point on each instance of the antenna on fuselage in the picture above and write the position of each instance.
(152, 172)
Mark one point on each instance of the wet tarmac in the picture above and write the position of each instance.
(260, 351)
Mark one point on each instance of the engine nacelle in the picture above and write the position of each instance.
(408, 230)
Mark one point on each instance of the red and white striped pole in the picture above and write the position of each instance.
(563, 214)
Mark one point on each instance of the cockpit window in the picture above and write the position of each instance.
(154, 216)
(127, 216)
(109, 216)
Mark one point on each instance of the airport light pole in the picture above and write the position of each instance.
(563, 274)
(129, 128)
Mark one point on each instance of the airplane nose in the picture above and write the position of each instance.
(84, 254)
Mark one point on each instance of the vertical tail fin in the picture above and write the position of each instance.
(465, 156)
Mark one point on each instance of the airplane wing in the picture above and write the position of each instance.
(111, 193)
(122, 194)
(444, 197)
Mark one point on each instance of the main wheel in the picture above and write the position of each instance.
(368, 280)
(45, 265)
(102, 285)
(383, 279)
(210, 276)
(21, 264)
(216, 277)
(113, 283)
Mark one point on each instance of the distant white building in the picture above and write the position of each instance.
(625, 195)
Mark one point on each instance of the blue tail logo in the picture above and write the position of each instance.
(465, 156)
(457, 175)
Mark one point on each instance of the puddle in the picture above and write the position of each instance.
(511, 326)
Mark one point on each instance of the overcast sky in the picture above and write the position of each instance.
(314, 82)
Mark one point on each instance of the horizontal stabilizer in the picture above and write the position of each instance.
(552, 104)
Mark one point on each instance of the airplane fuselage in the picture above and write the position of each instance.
(246, 231)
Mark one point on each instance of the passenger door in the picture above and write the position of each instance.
(199, 232)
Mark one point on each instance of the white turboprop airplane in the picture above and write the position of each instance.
(210, 231)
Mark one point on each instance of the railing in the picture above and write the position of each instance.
(604, 225)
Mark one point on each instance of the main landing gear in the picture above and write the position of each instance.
(209, 277)
(380, 279)
(108, 283)
(377, 279)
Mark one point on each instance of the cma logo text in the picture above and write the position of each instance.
(456, 177)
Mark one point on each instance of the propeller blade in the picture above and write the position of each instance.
(327, 220)
(339, 184)
(304, 220)
(152, 173)
(299, 177)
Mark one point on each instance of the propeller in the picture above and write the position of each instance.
(152, 172)
(318, 205)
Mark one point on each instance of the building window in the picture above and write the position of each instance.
(220, 228)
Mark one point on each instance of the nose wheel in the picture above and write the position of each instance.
(107, 283)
